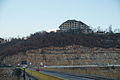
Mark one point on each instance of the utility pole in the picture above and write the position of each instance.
(24, 74)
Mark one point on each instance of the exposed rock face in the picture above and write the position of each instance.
(69, 55)
(74, 55)
(15, 59)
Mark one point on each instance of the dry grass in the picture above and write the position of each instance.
(6, 74)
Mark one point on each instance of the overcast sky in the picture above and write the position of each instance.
(23, 17)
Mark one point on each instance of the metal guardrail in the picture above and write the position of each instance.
(78, 66)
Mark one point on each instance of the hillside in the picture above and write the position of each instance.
(45, 39)
(68, 55)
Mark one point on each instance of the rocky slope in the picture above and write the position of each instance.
(69, 55)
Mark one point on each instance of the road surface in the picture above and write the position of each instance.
(64, 76)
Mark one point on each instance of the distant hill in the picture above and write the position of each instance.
(59, 39)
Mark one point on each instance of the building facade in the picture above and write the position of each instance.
(73, 25)
(2, 41)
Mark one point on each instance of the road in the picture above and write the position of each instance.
(67, 76)
(64, 76)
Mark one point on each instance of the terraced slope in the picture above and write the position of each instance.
(69, 55)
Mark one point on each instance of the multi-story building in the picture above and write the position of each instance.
(2, 40)
(73, 25)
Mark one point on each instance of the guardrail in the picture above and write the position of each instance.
(78, 66)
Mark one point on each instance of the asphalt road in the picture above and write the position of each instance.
(64, 76)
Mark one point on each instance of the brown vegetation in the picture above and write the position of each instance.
(45, 39)
(6, 74)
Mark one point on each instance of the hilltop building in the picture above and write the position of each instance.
(74, 25)
(2, 41)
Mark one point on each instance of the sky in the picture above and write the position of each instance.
(20, 18)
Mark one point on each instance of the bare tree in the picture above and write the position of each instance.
(110, 29)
